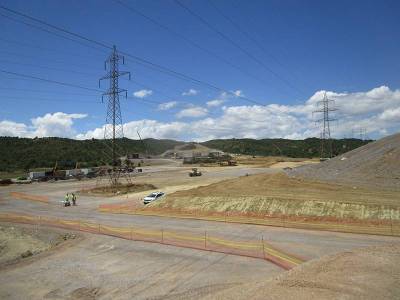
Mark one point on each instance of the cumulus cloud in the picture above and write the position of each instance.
(224, 97)
(190, 92)
(147, 129)
(142, 93)
(10, 128)
(167, 105)
(192, 112)
(377, 110)
(57, 124)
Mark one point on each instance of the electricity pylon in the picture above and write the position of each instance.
(325, 106)
(113, 129)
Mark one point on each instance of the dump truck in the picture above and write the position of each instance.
(195, 173)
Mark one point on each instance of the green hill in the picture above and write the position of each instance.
(23, 153)
(17, 154)
(281, 147)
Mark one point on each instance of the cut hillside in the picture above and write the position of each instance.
(374, 165)
(188, 150)
(280, 195)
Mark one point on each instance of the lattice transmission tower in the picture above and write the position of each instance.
(325, 107)
(113, 129)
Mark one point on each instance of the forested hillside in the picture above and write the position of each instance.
(25, 153)
(275, 147)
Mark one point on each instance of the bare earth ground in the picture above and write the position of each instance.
(111, 268)
(368, 273)
(20, 242)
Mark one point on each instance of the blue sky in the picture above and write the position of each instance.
(348, 48)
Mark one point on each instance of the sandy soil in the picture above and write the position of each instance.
(279, 194)
(19, 242)
(367, 273)
(101, 267)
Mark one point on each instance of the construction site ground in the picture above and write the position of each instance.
(98, 266)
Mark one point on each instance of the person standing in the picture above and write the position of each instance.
(73, 199)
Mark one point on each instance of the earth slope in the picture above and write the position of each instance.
(374, 165)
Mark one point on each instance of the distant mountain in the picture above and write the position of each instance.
(24, 153)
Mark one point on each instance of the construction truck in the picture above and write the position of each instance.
(195, 173)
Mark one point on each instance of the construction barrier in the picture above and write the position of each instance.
(24, 196)
(378, 227)
(255, 249)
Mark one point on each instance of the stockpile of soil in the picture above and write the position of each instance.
(374, 165)
(367, 273)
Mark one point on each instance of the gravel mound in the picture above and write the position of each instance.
(374, 165)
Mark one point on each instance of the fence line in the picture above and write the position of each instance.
(256, 249)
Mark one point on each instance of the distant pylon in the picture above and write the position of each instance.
(325, 106)
(113, 129)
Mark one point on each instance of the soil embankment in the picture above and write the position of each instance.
(375, 165)
(278, 194)
(367, 273)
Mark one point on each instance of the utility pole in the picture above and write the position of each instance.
(113, 129)
(325, 106)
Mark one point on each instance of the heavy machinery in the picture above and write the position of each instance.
(195, 173)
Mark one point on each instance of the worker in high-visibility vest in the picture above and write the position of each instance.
(67, 202)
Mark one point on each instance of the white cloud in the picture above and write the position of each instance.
(238, 93)
(215, 102)
(10, 128)
(57, 124)
(192, 112)
(190, 92)
(147, 129)
(167, 105)
(377, 110)
(142, 93)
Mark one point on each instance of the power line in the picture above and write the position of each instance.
(145, 62)
(49, 59)
(31, 99)
(50, 81)
(55, 27)
(236, 45)
(193, 43)
(30, 25)
(45, 67)
(249, 36)
(45, 48)
(46, 92)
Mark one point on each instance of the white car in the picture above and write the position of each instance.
(152, 197)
